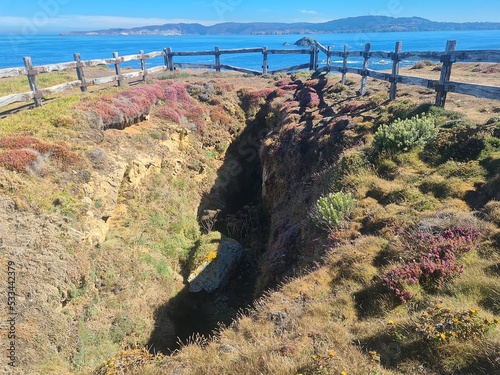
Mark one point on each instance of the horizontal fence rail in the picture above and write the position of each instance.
(441, 85)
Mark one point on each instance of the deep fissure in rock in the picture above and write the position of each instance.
(236, 197)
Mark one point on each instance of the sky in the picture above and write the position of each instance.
(55, 16)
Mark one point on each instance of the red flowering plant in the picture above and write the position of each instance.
(434, 262)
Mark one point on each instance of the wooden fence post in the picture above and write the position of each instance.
(165, 58)
(344, 63)
(118, 69)
(80, 73)
(366, 56)
(217, 59)
(445, 73)
(329, 58)
(143, 66)
(395, 70)
(32, 73)
(169, 58)
(312, 54)
(264, 60)
(316, 57)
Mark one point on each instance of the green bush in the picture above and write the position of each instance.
(332, 210)
(403, 135)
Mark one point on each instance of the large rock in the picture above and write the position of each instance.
(215, 271)
(305, 41)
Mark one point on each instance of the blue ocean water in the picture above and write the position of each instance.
(48, 49)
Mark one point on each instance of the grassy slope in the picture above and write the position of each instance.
(334, 315)
(329, 314)
(105, 296)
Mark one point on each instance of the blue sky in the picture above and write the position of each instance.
(53, 16)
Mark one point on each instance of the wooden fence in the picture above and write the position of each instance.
(442, 85)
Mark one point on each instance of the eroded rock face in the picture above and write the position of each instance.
(103, 189)
(214, 273)
(142, 167)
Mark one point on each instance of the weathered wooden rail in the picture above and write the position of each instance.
(441, 85)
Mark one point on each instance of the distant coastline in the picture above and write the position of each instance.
(362, 24)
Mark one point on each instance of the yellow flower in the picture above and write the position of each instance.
(313, 357)
(438, 306)
(454, 334)
(343, 373)
(391, 322)
(331, 353)
(455, 320)
(211, 255)
(473, 311)
(442, 336)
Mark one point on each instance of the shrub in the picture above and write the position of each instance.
(435, 263)
(20, 152)
(356, 106)
(461, 143)
(403, 135)
(308, 97)
(17, 160)
(438, 324)
(331, 210)
(493, 120)
(422, 64)
(491, 212)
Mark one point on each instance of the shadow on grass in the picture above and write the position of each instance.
(235, 195)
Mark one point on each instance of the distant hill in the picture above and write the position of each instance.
(362, 24)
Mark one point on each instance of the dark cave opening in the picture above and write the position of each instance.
(236, 196)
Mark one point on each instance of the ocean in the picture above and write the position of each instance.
(48, 49)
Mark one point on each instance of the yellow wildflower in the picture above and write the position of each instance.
(454, 334)
(442, 336)
(313, 357)
(391, 322)
(211, 256)
(473, 311)
(455, 320)
(343, 373)
(331, 353)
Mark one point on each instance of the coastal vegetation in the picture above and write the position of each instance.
(369, 228)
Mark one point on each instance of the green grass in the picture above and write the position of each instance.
(17, 85)
(94, 348)
(55, 120)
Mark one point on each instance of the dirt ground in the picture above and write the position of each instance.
(477, 109)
